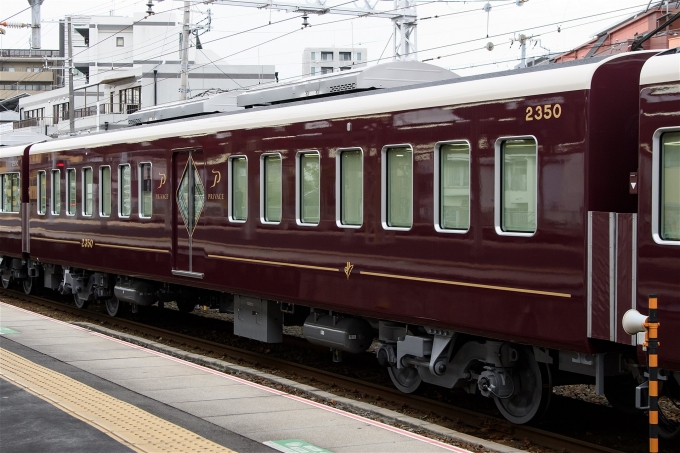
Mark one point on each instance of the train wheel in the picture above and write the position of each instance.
(113, 306)
(406, 379)
(669, 429)
(186, 306)
(30, 285)
(79, 302)
(532, 392)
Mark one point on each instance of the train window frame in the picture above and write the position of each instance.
(656, 186)
(384, 182)
(3, 208)
(120, 191)
(263, 184)
(84, 192)
(437, 187)
(498, 186)
(101, 191)
(140, 182)
(230, 189)
(338, 187)
(40, 192)
(55, 171)
(298, 187)
(72, 171)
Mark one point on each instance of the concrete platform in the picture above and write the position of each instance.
(238, 414)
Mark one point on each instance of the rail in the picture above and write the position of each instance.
(470, 418)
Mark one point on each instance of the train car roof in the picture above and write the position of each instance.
(479, 89)
(12, 151)
(662, 68)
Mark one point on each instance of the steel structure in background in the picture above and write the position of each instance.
(403, 16)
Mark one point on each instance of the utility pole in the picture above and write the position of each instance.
(35, 23)
(71, 99)
(186, 30)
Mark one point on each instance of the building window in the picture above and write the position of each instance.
(42, 192)
(326, 56)
(71, 190)
(87, 191)
(308, 188)
(349, 174)
(271, 188)
(313, 70)
(345, 56)
(326, 70)
(145, 191)
(105, 191)
(130, 100)
(358, 56)
(345, 68)
(56, 192)
(516, 186)
(120, 41)
(313, 57)
(9, 188)
(124, 190)
(452, 180)
(238, 189)
(670, 187)
(397, 185)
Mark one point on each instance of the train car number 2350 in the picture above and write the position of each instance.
(543, 112)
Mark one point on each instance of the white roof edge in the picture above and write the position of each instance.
(558, 79)
(12, 151)
(661, 69)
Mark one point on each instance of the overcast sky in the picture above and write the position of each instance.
(456, 40)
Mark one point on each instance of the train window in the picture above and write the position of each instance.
(516, 186)
(9, 187)
(71, 191)
(238, 189)
(270, 202)
(87, 191)
(145, 191)
(397, 187)
(42, 192)
(452, 186)
(670, 187)
(55, 202)
(124, 190)
(307, 188)
(105, 191)
(349, 176)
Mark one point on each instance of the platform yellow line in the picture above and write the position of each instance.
(127, 424)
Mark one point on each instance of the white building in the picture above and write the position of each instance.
(325, 60)
(124, 64)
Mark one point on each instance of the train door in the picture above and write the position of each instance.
(189, 189)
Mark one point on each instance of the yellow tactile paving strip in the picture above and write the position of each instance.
(129, 425)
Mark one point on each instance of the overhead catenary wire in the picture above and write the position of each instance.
(424, 50)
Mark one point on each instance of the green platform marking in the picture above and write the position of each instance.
(295, 446)
(6, 330)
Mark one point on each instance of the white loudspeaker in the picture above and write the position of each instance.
(633, 322)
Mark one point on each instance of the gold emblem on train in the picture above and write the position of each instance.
(348, 269)
(162, 175)
(218, 177)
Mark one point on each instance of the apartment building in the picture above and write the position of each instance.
(320, 60)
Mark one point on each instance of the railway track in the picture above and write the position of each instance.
(467, 417)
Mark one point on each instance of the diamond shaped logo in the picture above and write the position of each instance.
(190, 196)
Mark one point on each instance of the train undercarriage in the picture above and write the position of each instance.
(519, 378)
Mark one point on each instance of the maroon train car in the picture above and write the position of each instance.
(465, 224)
(658, 238)
(11, 265)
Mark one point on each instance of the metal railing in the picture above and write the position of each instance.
(33, 122)
(28, 53)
